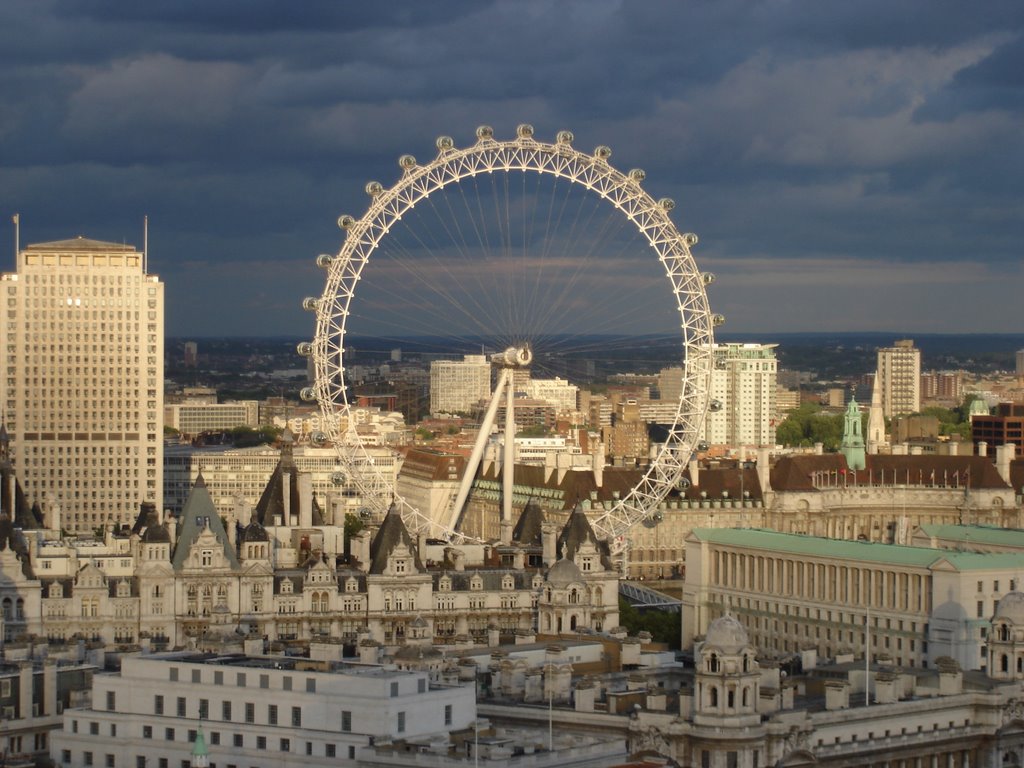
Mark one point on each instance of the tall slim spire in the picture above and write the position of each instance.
(876, 419)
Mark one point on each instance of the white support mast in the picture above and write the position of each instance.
(507, 362)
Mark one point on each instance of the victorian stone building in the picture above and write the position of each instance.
(278, 571)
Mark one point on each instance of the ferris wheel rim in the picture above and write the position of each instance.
(524, 154)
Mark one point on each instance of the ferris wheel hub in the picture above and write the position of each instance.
(513, 357)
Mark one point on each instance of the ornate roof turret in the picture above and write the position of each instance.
(1011, 608)
(577, 533)
(563, 573)
(147, 518)
(254, 532)
(198, 515)
(391, 534)
(726, 634)
(281, 497)
(156, 534)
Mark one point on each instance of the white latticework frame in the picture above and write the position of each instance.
(522, 154)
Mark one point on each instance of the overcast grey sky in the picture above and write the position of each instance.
(848, 166)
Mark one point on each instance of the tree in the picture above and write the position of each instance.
(353, 525)
(664, 626)
(807, 425)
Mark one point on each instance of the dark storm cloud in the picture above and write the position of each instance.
(867, 150)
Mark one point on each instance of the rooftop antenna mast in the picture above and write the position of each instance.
(16, 218)
(145, 245)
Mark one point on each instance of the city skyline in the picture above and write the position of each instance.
(845, 168)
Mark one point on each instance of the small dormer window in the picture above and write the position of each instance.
(207, 557)
(123, 589)
(445, 584)
(286, 587)
(476, 584)
(508, 582)
(56, 590)
(399, 566)
(586, 564)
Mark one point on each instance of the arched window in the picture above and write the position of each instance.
(746, 702)
(731, 699)
(1004, 663)
(714, 696)
(7, 608)
(746, 664)
(1020, 665)
(713, 662)
(572, 622)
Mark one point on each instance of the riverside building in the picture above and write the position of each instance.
(81, 379)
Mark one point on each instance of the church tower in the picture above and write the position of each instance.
(852, 446)
(876, 419)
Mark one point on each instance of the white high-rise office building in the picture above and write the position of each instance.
(456, 386)
(899, 378)
(82, 379)
(744, 383)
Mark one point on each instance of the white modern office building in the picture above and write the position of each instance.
(253, 712)
(559, 392)
(82, 379)
(196, 418)
(744, 384)
(899, 378)
(457, 386)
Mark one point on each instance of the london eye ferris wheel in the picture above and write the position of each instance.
(537, 252)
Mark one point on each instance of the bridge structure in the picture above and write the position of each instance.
(640, 596)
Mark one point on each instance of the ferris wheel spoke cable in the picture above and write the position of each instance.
(415, 265)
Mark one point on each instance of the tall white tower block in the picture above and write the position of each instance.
(81, 379)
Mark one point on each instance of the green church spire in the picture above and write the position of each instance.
(852, 446)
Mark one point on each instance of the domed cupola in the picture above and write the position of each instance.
(1006, 639)
(728, 677)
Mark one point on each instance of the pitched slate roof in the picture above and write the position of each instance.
(798, 472)
(200, 513)
(577, 531)
(528, 530)
(272, 500)
(391, 533)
